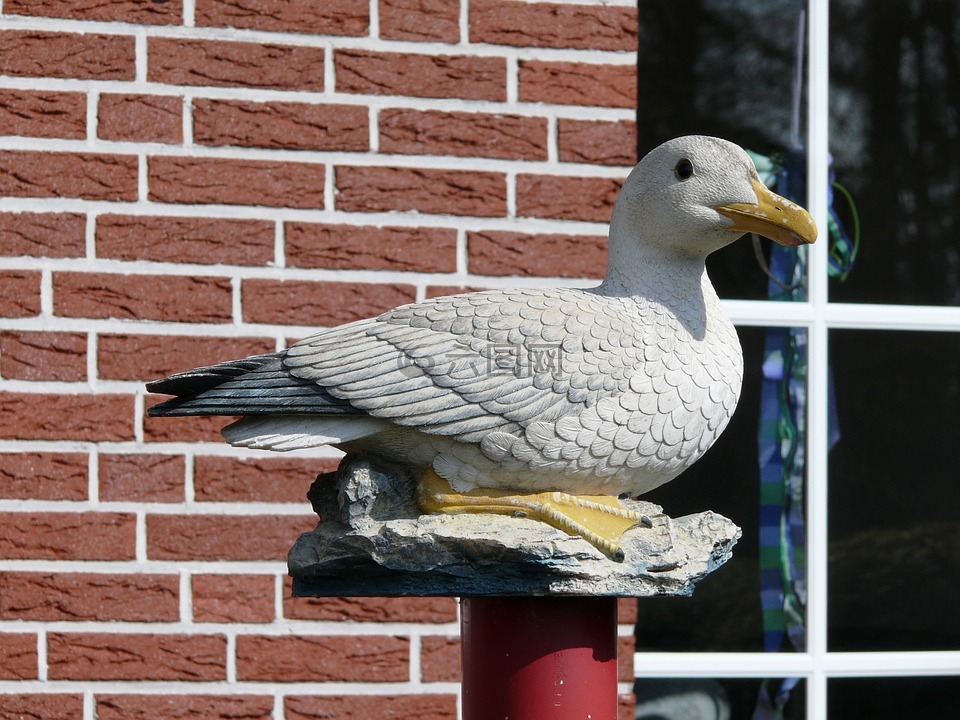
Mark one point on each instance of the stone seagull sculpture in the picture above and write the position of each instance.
(547, 403)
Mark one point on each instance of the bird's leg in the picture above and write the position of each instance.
(598, 519)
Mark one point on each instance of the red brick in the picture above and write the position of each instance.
(42, 234)
(370, 609)
(179, 61)
(283, 125)
(363, 247)
(569, 83)
(148, 357)
(184, 707)
(627, 611)
(141, 478)
(67, 536)
(454, 192)
(19, 293)
(43, 356)
(236, 182)
(626, 706)
(86, 56)
(552, 25)
(143, 12)
(182, 429)
(234, 598)
(43, 113)
(443, 290)
(66, 417)
(511, 137)
(509, 253)
(89, 597)
(597, 143)
(331, 17)
(283, 480)
(344, 658)
(18, 656)
(140, 118)
(115, 656)
(204, 241)
(43, 476)
(440, 659)
(566, 198)
(90, 176)
(434, 76)
(224, 537)
(174, 298)
(41, 706)
(625, 646)
(420, 20)
(302, 302)
(185, 429)
(364, 707)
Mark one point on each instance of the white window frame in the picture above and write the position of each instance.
(817, 665)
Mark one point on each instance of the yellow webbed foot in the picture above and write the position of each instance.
(598, 519)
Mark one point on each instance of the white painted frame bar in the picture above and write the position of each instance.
(817, 362)
(765, 665)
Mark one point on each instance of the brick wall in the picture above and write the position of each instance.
(188, 181)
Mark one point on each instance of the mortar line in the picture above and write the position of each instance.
(187, 128)
(93, 101)
(186, 597)
(42, 655)
(189, 13)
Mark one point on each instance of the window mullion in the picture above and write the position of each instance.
(818, 385)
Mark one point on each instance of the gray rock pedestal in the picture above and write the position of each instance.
(373, 541)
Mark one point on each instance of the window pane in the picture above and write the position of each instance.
(724, 68)
(724, 614)
(708, 699)
(893, 698)
(894, 573)
(894, 134)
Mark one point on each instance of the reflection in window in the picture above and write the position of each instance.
(894, 531)
(893, 698)
(724, 67)
(706, 699)
(895, 138)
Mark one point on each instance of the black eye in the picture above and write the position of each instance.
(683, 170)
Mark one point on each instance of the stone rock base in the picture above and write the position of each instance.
(372, 540)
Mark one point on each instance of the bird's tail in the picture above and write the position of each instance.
(258, 385)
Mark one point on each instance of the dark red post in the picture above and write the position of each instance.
(539, 658)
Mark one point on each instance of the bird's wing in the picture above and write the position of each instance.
(467, 365)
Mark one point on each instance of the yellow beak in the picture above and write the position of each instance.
(773, 217)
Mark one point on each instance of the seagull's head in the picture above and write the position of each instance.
(695, 194)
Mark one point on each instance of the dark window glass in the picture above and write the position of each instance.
(895, 138)
(893, 698)
(894, 572)
(708, 699)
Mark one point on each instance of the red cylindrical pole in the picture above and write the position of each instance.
(539, 658)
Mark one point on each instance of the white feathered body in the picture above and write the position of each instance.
(603, 391)
(613, 390)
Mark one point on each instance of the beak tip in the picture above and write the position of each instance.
(813, 233)
(773, 217)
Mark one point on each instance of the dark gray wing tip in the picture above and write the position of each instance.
(257, 385)
(193, 382)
